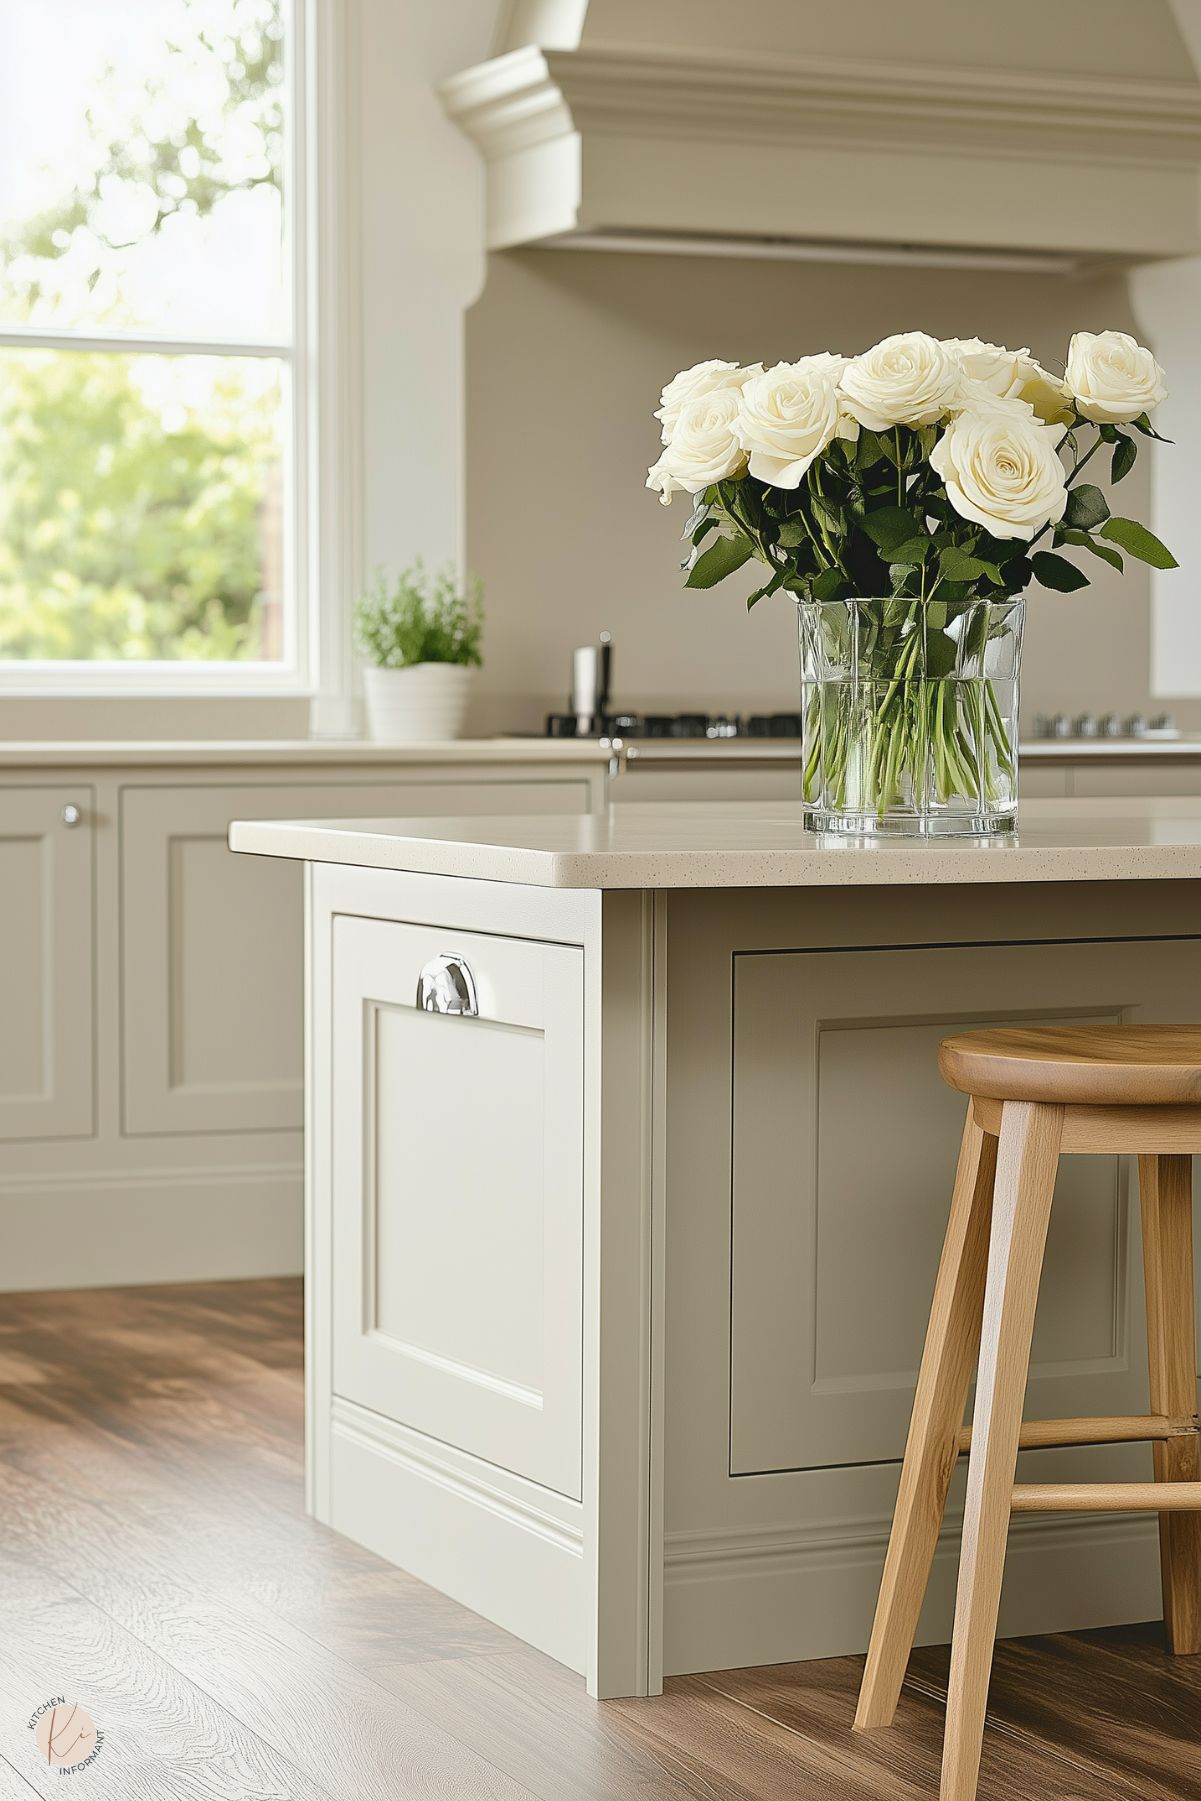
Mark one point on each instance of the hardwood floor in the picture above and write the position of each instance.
(156, 1566)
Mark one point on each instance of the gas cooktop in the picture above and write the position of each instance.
(675, 725)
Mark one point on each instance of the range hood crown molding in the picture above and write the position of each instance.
(629, 142)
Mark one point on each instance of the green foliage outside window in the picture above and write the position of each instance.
(140, 495)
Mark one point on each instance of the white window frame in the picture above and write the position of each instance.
(307, 23)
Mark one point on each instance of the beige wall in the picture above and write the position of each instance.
(566, 353)
(1091, 36)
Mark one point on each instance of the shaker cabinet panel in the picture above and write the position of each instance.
(213, 943)
(458, 1193)
(845, 1141)
(46, 1049)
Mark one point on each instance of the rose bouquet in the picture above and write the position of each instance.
(900, 497)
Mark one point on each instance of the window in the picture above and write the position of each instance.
(150, 455)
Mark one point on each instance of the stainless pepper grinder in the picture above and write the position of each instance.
(591, 673)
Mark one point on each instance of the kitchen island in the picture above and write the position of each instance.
(628, 1164)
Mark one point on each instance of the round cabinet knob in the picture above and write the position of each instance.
(71, 814)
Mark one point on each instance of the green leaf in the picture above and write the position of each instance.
(868, 449)
(1086, 507)
(831, 517)
(826, 585)
(792, 533)
(958, 566)
(941, 653)
(1124, 452)
(722, 558)
(912, 554)
(1135, 538)
(1143, 424)
(1056, 572)
(1017, 573)
(890, 526)
(1104, 551)
(767, 588)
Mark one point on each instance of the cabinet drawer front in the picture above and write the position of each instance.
(845, 1142)
(458, 1194)
(46, 1041)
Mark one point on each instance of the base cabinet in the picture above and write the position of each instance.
(713, 1123)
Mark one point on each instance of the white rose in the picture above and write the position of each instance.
(704, 446)
(909, 379)
(992, 369)
(1114, 379)
(693, 384)
(1002, 470)
(1046, 393)
(789, 415)
(991, 365)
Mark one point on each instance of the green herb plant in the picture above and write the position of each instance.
(420, 618)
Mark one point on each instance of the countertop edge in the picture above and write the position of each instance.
(840, 866)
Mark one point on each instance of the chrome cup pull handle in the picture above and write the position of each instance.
(446, 985)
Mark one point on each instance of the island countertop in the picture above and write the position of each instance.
(737, 844)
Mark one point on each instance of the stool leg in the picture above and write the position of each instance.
(1027, 1159)
(1166, 1187)
(952, 1339)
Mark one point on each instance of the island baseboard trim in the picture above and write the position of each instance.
(501, 1545)
(779, 1594)
(512, 1498)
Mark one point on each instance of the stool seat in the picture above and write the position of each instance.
(1093, 1066)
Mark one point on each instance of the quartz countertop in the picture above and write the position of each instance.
(739, 844)
(203, 752)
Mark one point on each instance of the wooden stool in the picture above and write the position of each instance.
(1035, 1094)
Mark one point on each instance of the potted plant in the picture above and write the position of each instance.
(421, 638)
(906, 499)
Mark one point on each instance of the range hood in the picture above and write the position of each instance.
(706, 150)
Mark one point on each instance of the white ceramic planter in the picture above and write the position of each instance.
(419, 705)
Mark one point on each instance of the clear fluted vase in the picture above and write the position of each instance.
(910, 712)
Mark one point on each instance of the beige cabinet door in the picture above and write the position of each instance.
(845, 1141)
(46, 1051)
(212, 970)
(457, 1159)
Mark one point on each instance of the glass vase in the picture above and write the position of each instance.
(910, 715)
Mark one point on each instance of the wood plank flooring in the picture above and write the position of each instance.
(156, 1565)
